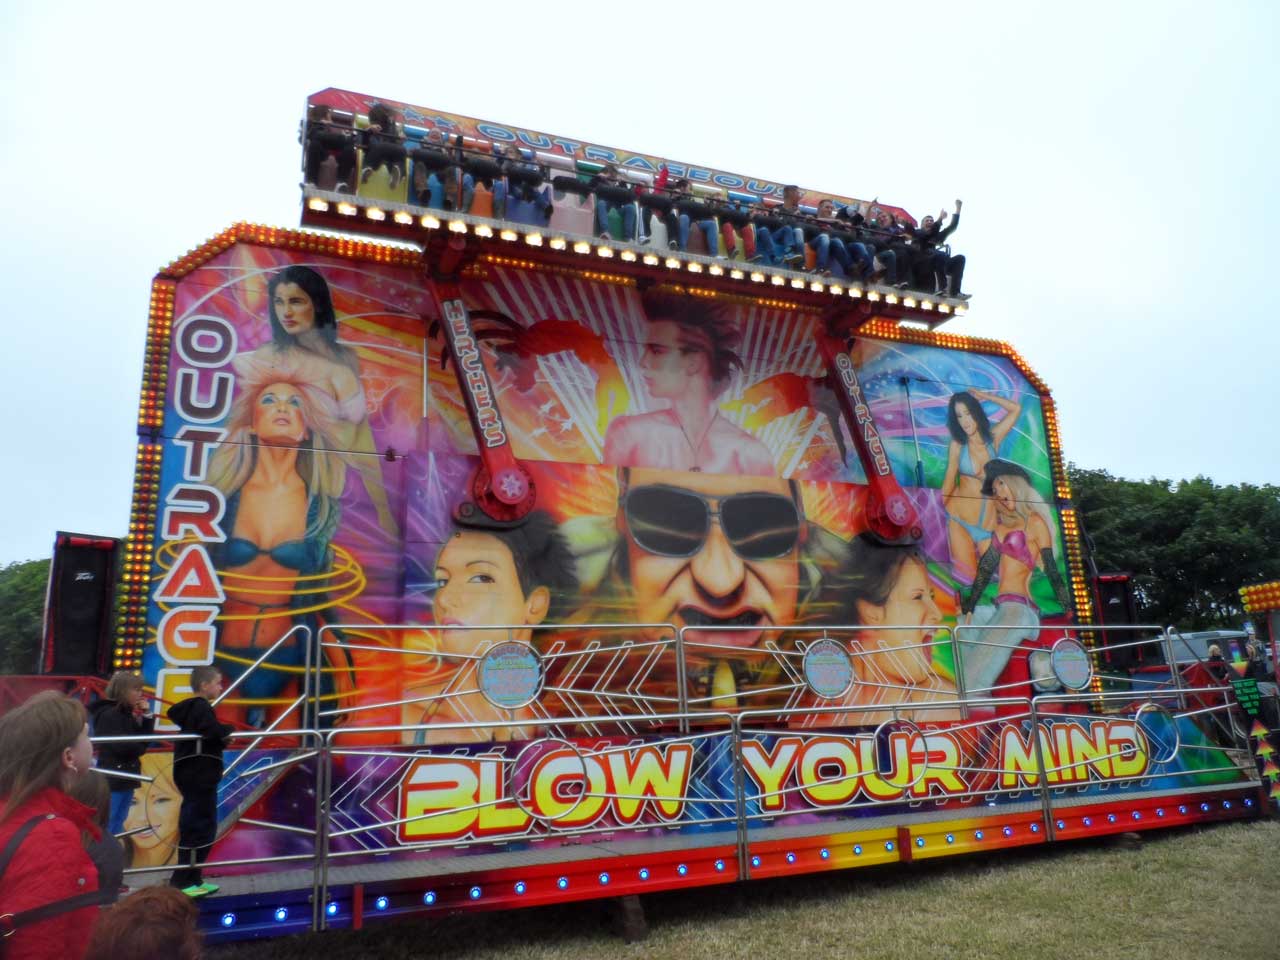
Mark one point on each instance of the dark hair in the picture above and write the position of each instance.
(715, 333)
(153, 922)
(541, 556)
(975, 410)
(873, 569)
(1000, 468)
(314, 286)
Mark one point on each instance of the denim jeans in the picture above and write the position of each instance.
(828, 247)
(708, 228)
(628, 212)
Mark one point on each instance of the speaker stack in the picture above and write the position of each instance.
(77, 618)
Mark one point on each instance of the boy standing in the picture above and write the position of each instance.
(197, 770)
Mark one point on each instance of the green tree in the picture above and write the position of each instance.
(22, 590)
(1190, 544)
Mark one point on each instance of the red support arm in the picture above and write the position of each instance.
(890, 515)
(501, 488)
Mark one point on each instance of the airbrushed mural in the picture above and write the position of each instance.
(698, 546)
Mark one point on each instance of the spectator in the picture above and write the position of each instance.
(48, 884)
(197, 770)
(155, 922)
(122, 713)
(612, 194)
(1216, 665)
(106, 852)
(328, 143)
(382, 146)
(944, 271)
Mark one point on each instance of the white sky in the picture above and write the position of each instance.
(1117, 162)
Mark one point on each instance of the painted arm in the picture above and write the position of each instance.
(950, 477)
(371, 475)
(1012, 410)
(987, 567)
(1049, 563)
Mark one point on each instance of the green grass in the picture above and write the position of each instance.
(1193, 894)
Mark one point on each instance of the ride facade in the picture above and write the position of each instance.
(576, 543)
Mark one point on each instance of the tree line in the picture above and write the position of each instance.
(1189, 544)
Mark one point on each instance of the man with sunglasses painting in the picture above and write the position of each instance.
(702, 549)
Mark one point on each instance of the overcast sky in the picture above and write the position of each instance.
(1117, 163)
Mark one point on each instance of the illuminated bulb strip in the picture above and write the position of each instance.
(481, 230)
(402, 217)
(716, 270)
(375, 213)
(628, 255)
(318, 204)
(509, 235)
(430, 222)
(695, 267)
(605, 252)
(347, 209)
(651, 259)
(672, 263)
(533, 239)
(582, 246)
(736, 274)
(558, 243)
(457, 226)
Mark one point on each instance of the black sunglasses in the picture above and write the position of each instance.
(674, 522)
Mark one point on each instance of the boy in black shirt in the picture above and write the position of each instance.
(197, 770)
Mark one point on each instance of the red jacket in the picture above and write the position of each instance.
(51, 864)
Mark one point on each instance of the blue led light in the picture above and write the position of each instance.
(520, 888)
(1204, 808)
(1226, 804)
(888, 845)
(228, 919)
(682, 869)
(474, 892)
(429, 897)
(755, 861)
(331, 909)
(1088, 821)
(1159, 811)
(857, 849)
(791, 857)
(563, 883)
(1111, 818)
(1035, 828)
(1007, 831)
(282, 914)
(977, 834)
(920, 842)
(951, 838)
(720, 866)
(1137, 814)
(604, 879)
(1062, 825)
(1182, 808)
(381, 903)
(1248, 801)
(824, 853)
(644, 873)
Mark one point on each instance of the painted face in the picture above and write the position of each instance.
(154, 810)
(964, 417)
(477, 584)
(669, 361)
(904, 655)
(1004, 494)
(277, 418)
(715, 586)
(294, 309)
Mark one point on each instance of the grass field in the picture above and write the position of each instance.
(1186, 895)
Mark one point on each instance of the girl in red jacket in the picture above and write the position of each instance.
(44, 749)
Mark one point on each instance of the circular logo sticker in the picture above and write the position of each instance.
(1071, 664)
(510, 674)
(827, 669)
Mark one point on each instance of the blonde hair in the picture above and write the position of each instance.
(122, 682)
(321, 467)
(32, 738)
(1027, 501)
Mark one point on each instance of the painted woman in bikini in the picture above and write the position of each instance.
(974, 441)
(304, 336)
(281, 478)
(1023, 539)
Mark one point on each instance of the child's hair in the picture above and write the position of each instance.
(202, 675)
(153, 922)
(121, 684)
(92, 790)
(32, 738)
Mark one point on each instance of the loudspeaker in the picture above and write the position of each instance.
(1116, 606)
(78, 609)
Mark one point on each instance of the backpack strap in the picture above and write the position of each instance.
(9, 922)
